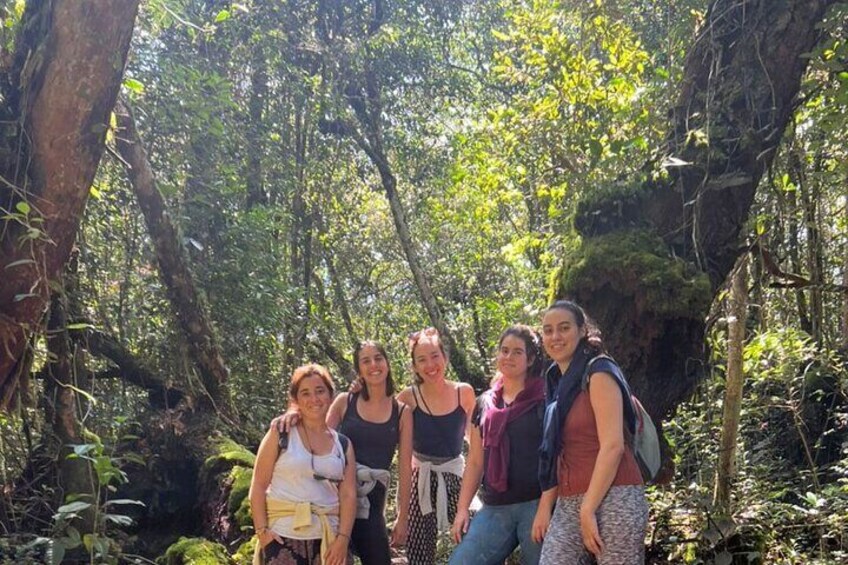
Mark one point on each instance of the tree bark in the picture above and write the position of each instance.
(737, 315)
(70, 63)
(795, 261)
(186, 299)
(810, 195)
(654, 252)
(300, 244)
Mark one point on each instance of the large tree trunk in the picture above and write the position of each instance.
(186, 299)
(654, 252)
(70, 61)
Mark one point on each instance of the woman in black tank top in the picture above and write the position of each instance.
(441, 409)
(377, 425)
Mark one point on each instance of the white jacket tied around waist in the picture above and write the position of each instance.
(425, 468)
(366, 479)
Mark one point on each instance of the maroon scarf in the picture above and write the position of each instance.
(493, 423)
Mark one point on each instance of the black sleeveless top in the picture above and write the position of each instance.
(374, 444)
(437, 436)
(525, 436)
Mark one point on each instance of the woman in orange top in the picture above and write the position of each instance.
(601, 509)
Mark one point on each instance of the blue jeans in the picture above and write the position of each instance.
(495, 532)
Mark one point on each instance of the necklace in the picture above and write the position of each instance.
(315, 475)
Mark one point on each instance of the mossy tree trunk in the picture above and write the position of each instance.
(655, 250)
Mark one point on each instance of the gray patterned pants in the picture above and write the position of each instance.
(622, 520)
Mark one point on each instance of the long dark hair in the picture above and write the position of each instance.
(592, 339)
(532, 347)
(390, 383)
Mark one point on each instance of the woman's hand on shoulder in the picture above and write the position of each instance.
(284, 423)
(407, 398)
(355, 386)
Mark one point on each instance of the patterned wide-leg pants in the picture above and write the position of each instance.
(421, 541)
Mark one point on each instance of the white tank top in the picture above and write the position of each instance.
(294, 480)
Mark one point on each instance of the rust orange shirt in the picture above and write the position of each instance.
(580, 448)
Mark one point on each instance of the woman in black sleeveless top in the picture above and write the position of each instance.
(441, 409)
(377, 425)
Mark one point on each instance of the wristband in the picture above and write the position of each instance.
(344, 535)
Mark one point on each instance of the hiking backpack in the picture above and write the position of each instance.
(643, 440)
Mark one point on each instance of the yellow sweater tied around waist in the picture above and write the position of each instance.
(302, 513)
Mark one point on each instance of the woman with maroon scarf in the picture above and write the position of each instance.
(503, 456)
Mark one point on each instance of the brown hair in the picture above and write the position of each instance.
(390, 383)
(532, 347)
(415, 337)
(309, 370)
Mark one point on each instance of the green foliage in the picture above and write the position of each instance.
(194, 551)
(637, 258)
(507, 124)
(238, 503)
(24, 550)
(98, 544)
(782, 512)
(229, 452)
(244, 554)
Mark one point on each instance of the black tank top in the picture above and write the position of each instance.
(374, 444)
(438, 436)
(525, 436)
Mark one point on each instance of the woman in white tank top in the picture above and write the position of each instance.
(303, 492)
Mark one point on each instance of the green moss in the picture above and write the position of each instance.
(635, 263)
(194, 551)
(244, 555)
(228, 451)
(238, 503)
